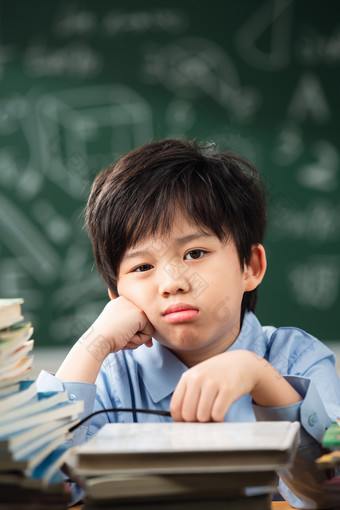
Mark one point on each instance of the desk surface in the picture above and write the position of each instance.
(276, 505)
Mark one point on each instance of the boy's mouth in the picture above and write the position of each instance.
(180, 312)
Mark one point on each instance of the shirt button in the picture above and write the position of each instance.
(313, 419)
(72, 396)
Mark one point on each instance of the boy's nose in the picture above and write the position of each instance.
(173, 281)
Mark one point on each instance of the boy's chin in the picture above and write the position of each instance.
(179, 341)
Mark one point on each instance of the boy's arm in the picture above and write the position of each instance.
(301, 484)
(206, 391)
(121, 325)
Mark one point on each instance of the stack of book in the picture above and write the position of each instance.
(33, 425)
(331, 461)
(183, 465)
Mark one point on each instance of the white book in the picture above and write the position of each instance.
(47, 471)
(12, 382)
(188, 447)
(42, 401)
(28, 448)
(28, 463)
(12, 339)
(64, 410)
(180, 485)
(15, 440)
(20, 369)
(10, 312)
(26, 390)
(8, 390)
(9, 362)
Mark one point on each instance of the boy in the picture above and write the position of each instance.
(177, 232)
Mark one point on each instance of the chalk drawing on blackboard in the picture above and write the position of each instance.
(71, 325)
(314, 47)
(9, 173)
(7, 53)
(73, 19)
(180, 116)
(80, 21)
(15, 281)
(75, 59)
(73, 123)
(290, 144)
(316, 282)
(193, 67)
(84, 283)
(27, 244)
(143, 21)
(76, 312)
(317, 223)
(323, 174)
(57, 228)
(309, 100)
(13, 107)
(18, 170)
(275, 17)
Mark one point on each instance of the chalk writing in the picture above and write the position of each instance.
(323, 174)
(309, 101)
(314, 47)
(318, 223)
(316, 283)
(75, 59)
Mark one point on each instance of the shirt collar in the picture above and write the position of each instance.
(252, 336)
(160, 369)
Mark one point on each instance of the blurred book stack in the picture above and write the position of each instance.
(330, 462)
(33, 425)
(183, 465)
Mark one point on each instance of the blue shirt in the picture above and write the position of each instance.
(146, 378)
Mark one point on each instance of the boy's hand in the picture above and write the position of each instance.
(123, 325)
(206, 391)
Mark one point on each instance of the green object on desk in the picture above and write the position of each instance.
(331, 437)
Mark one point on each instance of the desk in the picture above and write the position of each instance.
(281, 505)
(276, 505)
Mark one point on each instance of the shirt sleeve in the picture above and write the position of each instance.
(302, 483)
(76, 391)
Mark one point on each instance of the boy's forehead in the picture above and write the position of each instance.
(176, 236)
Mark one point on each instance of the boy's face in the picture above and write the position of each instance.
(190, 285)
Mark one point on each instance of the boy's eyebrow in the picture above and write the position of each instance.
(178, 240)
(191, 237)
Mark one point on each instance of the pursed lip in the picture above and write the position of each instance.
(178, 307)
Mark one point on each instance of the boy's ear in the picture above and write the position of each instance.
(255, 270)
(111, 296)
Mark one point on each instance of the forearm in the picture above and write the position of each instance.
(271, 389)
(84, 360)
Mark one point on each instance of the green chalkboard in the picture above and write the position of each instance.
(82, 82)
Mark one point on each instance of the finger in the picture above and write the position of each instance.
(190, 402)
(176, 401)
(207, 400)
(130, 347)
(140, 339)
(148, 330)
(220, 406)
(135, 344)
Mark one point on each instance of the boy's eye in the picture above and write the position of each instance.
(143, 267)
(194, 254)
